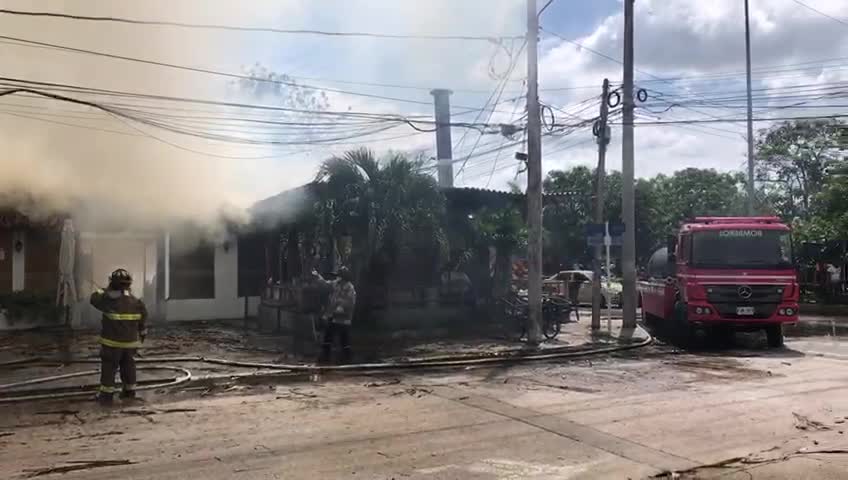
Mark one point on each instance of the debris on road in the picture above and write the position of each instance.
(96, 435)
(413, 392)
(78, 465)
(158, 412)
(386, 383)
(804, 423)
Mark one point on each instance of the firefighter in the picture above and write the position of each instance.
(122, 331)
(338, 314)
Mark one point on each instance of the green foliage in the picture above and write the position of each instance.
(833, 204)
(697, 192)
(566, 219)
(384, 206)
(792, 162)
(503, 228)
(29, 305)
(798, 167)
(662, 202)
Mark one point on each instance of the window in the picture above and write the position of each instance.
(41, 269)
(742, 248)
(192, 268)
(685, 248)
(251, 265)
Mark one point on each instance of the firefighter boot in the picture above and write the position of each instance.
(105, 399)
(128, 395)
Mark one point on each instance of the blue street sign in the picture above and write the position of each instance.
(616, 229)
(595, 229)
(595, 240)
(596, 233)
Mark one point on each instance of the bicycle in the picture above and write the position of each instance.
(555, 312)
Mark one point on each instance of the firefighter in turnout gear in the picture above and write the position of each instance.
(338, 313)
(123, 329)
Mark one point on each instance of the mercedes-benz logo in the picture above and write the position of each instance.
(745, 292)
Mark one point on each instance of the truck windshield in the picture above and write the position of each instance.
(742, 249)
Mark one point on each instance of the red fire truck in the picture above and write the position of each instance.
(723, 274)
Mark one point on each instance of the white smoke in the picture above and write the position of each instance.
(59, 157)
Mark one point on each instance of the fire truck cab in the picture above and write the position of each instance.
(723, 274)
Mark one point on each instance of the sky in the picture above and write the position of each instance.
(689, 56)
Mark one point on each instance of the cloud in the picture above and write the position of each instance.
(150, 180)
(700, 41)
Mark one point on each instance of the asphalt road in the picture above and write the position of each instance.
(758, 413)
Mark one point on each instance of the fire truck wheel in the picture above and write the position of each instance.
(774, 333)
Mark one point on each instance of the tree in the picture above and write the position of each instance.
(662, 202)
(505, 230)
(262, 82)
(696, 192)
(792, 159)
(385, 208)
(565, 220)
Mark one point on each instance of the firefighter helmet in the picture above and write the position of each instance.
(120, 278)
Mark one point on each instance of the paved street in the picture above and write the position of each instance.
(633, 415)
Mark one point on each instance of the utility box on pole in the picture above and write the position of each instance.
(444, 155)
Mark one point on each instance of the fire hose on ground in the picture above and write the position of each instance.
(185, 377)
(440, 362)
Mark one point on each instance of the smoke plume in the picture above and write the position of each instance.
(62, 158)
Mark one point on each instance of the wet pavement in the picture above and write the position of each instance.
(733, 410)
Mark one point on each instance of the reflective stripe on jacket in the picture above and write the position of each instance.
(123, 319)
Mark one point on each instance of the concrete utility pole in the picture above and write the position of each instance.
(628, 211)
(603, 140)
(750, 202)
(534, 178)
(444, 155)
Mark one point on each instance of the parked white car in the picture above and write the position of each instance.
(610, 290)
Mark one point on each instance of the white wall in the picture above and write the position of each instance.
(100, 255)
(226, 304)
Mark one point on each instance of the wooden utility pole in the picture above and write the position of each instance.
(534, 178)
(600, 179)
(628, 210)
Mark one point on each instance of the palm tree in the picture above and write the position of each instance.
(384, 207)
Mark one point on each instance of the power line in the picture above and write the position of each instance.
(580, 45)
(238, 28)
(74, 125)
(611, 59)
(500, 149)
(410, 120)
(732, 120)
(548, 4)
(189, 131)
(207, 71)
(843, 22)
(499, 94)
